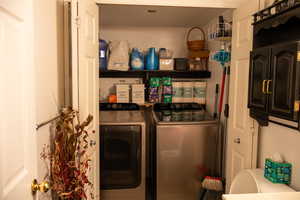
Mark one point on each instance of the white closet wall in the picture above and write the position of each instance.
(145, 37)
(142, 37)
(214, 67)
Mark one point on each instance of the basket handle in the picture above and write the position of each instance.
(193, 28)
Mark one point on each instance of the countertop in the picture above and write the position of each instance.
(264, 196)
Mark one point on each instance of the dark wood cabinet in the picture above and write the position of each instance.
(259, 70)
(282, 81)
(274, 83)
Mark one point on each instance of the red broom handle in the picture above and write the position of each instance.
(222, 91)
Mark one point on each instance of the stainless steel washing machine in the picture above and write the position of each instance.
(122, 153)
(183, 150)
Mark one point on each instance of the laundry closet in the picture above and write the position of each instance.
(163, 28)
(160, 67)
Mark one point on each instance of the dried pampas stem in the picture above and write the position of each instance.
(69, 161)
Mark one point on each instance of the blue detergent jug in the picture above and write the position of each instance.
(103, 45)
(152, 60)
(136, 60)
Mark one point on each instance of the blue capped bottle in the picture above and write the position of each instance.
(152, 60)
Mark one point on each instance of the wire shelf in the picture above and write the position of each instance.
(220, 32)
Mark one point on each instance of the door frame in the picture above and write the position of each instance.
(80, 10)
(248, 143)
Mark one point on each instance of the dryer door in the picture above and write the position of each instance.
(120, 157)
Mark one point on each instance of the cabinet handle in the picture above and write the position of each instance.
(268, 87)
(264, 86)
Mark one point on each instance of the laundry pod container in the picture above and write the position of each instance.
(253, 181)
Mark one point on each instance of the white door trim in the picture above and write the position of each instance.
(85, 74)
(241, 127)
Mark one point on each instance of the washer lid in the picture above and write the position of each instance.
(183, 116)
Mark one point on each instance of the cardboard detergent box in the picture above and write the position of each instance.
(123, 93)
(166, 64)
(138, 93)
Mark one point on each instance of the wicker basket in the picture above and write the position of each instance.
(195, 45)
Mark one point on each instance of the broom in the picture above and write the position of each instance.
(215, 182)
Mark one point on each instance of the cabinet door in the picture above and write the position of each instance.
(283, 80)
(259, 69)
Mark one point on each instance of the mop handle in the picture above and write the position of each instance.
(222, 90)
(216, 101)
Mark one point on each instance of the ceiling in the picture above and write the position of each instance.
(133, 15)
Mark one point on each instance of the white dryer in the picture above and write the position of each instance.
(122, 152)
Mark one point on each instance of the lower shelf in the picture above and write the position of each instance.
(144, 74)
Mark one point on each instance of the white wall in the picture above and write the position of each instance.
(273, 138)
(214, 67)
(173, 38)
(145, 37)
(285, 141)
(49, 73)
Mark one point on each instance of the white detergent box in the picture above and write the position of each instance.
(166, 64)
(200, 92)
(122, 93)
(138, 93)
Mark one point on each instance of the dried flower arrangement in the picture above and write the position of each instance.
(69, 157)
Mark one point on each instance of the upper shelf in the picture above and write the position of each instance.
(144, 74)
